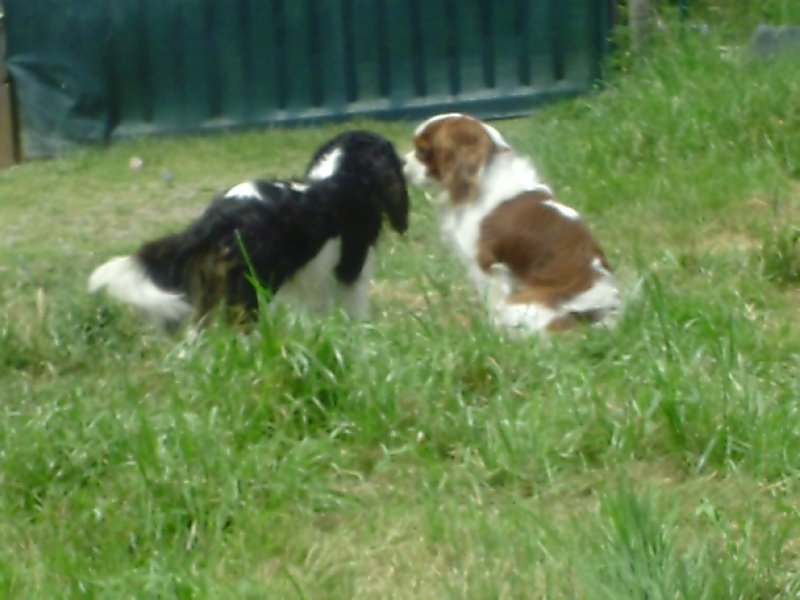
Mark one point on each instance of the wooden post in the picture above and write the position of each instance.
(9, 146)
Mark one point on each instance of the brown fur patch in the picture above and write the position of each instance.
(549, 254)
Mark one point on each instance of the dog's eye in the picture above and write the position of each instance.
(422, 153)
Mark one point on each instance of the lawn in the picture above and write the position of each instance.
(421, 454)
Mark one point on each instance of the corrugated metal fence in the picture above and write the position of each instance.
(94, 70)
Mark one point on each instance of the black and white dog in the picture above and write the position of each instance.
(308, 243)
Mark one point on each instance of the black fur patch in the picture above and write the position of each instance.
(275, 236)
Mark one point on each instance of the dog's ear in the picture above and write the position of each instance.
(396, 203)
(463, 155)
(394, 193)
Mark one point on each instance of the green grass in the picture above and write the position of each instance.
(420, 454)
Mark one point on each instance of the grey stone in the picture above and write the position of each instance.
(770, 40)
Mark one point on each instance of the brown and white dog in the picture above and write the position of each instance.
(531, 258)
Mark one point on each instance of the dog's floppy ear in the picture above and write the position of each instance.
(395, 202)
(463, 156)
(394, 193)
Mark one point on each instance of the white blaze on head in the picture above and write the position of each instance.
(244, 191)
(494, 135)
(436, 118)
(326, 165)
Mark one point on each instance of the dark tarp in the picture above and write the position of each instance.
(56, 53)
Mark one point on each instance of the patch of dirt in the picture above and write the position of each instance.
(757, 213)
(403, 292)
(725, 241)
(782, 206)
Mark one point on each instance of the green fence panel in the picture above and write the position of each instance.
(261, 36)
(401, 38)
(366, 80)
(538, 45)
(468, 49)
(97, 70)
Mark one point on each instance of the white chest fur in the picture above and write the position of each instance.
(314, 288)
(460, 228)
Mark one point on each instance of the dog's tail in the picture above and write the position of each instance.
(188, 273)
(128, 279)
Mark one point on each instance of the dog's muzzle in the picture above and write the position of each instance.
(415, 171)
